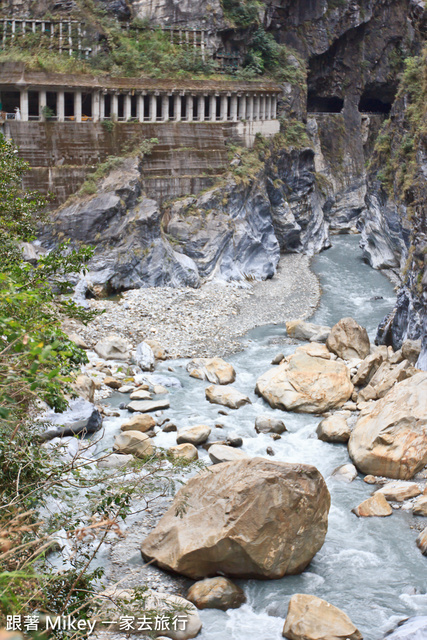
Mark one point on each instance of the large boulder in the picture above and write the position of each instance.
(369, 366)
(113, 348)
(248, 518)
(144, 357)
(348, 340)
(310, 618)
(185, 451)
(81, 417)
(411, 629)
(139, 422)
(228, 397)
(391, 440)
(216, 593)
(134, 442)
(266, 423)
(146, 406)
(214, 370)
(306, 384)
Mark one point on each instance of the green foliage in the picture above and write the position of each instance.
(241, 13)
(293, 134)
(47, 112)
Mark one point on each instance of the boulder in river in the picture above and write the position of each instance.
(266, 423)
(391, 440)
(144, 357)
(186, 451)
(411, 629)
(223, 453)
(229, 397)
(333, 429)
(310, 618)
(348, 340)
(346, 472)
(114, 461)
(250, 518)
(81, 417)
(194, 435)
(376, 505)
(139, 422)
(113, 348)
(302, 330)
(145, 406)
(422, 542)
(399, 491)
(216, 593)
(214, 370)
(134, 442)
(306, 384)
(419, 508)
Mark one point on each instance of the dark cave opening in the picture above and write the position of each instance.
(368, 104)
(321, 104)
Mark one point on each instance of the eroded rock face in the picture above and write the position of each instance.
(391, 440)
(348, 340)
(310, 618)
(306, 384)
(252, 518)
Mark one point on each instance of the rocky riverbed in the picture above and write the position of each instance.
(207, 321)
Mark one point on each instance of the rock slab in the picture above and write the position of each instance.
(310, 618)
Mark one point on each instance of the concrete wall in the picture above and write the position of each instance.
(186, 159)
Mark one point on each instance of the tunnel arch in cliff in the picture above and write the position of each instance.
(377, 98)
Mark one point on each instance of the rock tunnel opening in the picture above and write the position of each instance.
(377, 99)
(322, 104)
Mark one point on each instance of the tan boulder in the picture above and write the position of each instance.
(411, 350)
(194, 435)
(113, 348)
(216, 593)
(346, 472)
(84, 387)
(391, 440)
(376, 505)
(306, 384)
(369, 365)
(186, 451)
(399, 491)
(367, 393)
(348, 340)
(140, 394)
(228, 397)
(420, 506)
(134, 442)
(333, 429)
(422, 542)
(214, 370)
(223, 453)
(302, 330)
(266, 423)
(310, 618)
(158, 350)
(145, 406)
(111, 382)
(250, 518)
(387, 376)
(182, 620)
(139, 422)
(316, 350)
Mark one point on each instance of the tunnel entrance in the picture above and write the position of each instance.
(322, 104)
(377, 98)
(373, 105)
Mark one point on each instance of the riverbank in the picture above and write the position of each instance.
(208, 321)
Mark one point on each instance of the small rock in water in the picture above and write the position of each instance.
(234, 440)
(278, 359)
(376, 505)
(270, 451)
(169, 427)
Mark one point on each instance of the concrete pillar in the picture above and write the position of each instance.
(223, 111)
(256, 107)
(114, 106)
(233, 108)
(212, 108)
(95, 106)
(242, 108)
(60, 106)
(127, 107)
(177, 108)
(153, 108)
(262, 107)
(23, 104)
(102, 106)
(190, 108)
(165, 107)
(42, 103)
(250, 108)
(140, 107)
(268, 108)
(274, 108)
(78, 106)
(201, 108)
